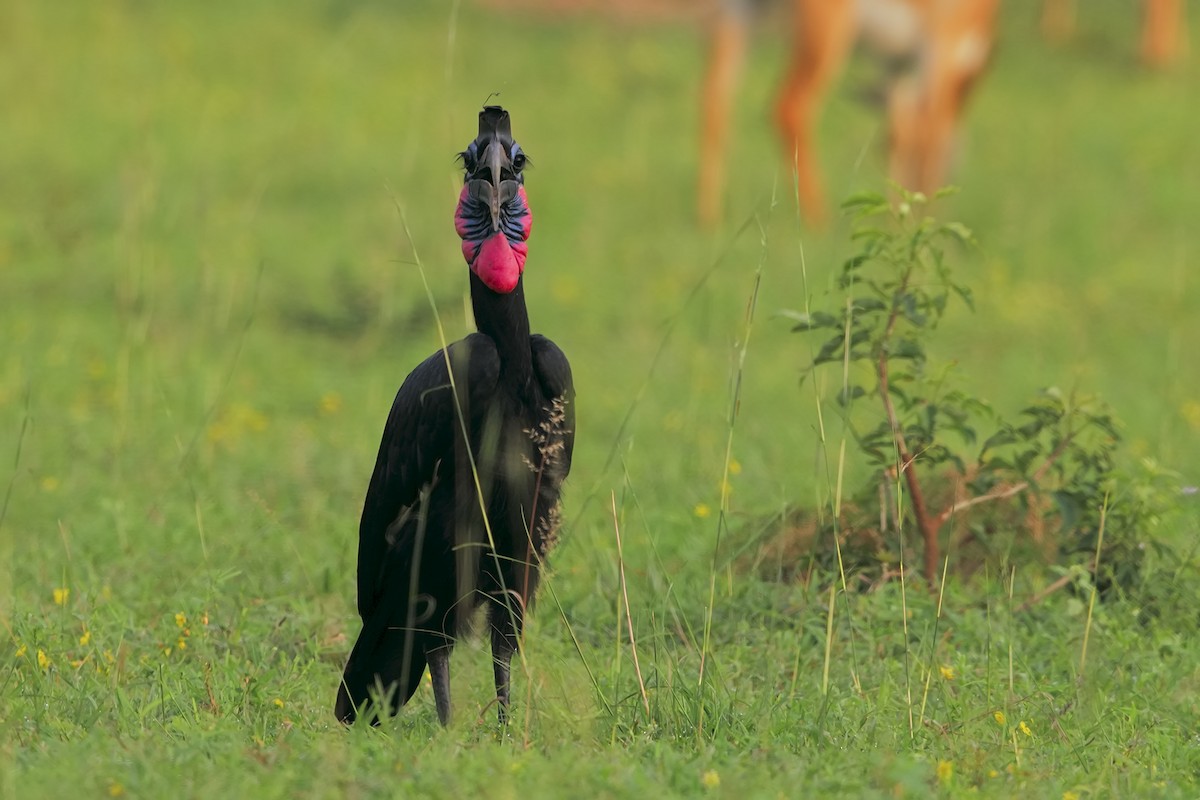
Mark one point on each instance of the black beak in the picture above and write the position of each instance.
(494, 161)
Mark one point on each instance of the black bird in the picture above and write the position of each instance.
(464, 501)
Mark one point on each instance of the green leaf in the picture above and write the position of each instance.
(862, 305)
(813, 321)
(910, 308)
(965, 293)
(1070, 507)
(830, 351)
(849, 394)
(906, 349)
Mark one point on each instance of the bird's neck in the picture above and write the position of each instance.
(504, 319)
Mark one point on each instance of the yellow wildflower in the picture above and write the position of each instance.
(331, 403)
(1069, 795)
(61, 595)
(735, 467)
(945, 771)
(116, 790)
(710, 779)
(166, 651)
(278, 702)
(204, 618)
(947, 672)
(234, 422)
(180, 619)
(181, 644)
(87, 637)
(993, 774)
(1023, 728)
(49, 483)
(564, 290)
(21, 651)
(701, 510)
(43, 660)
(1191, 414)
(999, 717)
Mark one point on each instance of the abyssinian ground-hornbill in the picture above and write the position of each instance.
(464, 500)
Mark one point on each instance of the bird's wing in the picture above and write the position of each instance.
(418, 437)
(554, 374)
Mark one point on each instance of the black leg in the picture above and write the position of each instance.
(504, 644)
(439, 671)
(502, 654)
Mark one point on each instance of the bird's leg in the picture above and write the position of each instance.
(504, 644)
(439, 672)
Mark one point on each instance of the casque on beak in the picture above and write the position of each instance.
(494, 158)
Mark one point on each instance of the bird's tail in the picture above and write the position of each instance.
(387, 657)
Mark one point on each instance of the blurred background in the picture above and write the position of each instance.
(216, 222)
(226, 236)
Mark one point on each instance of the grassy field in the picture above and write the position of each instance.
(211, 295)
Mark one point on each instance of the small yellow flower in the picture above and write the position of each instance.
(87, 637)
(116, 790)
(564, 290)
(701, 510)
(1023, 728)
(331, 403)
(710, 779)
(993, 774)
(49, 483)
(181, 644)
(180, 619)
(735, 467)
(109, 657)
(945, 771)
(43, 660)
(61, 595)
(1000, 718)
(947, 672)
(1191, 414)
(204, 618)
(21, 651)
(278, 701)
(166, 651)
(1069, 795)
(78, 663)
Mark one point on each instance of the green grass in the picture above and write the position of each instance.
(209, 301)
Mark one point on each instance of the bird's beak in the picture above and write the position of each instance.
(494, 158)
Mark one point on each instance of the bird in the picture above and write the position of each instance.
(464, 501)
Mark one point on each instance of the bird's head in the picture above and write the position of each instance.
(493, 216)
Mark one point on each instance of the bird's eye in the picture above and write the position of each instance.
(469, 157)
(518, 158)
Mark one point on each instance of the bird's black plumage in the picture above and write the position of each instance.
(464, 500)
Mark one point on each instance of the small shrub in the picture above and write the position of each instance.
(1034, 484)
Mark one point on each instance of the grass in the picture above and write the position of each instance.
(210, 301)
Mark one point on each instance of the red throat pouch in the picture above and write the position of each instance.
(497, 261)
